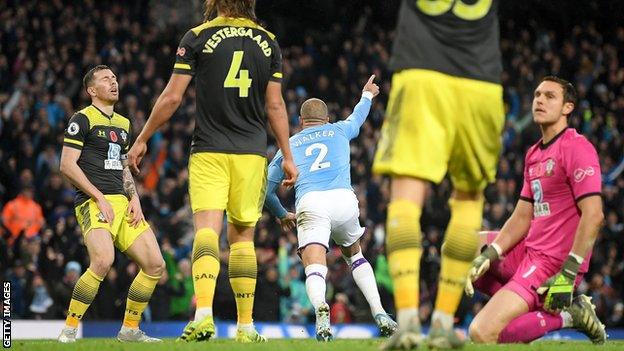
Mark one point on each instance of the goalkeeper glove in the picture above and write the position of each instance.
(561, 286)
(480, 265)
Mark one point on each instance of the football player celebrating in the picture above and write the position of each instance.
(326, 204)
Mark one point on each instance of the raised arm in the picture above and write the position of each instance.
(353, 123)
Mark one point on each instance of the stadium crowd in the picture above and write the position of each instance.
(45, 48)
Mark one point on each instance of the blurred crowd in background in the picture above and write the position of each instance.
(46, 47)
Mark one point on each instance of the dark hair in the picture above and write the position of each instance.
(569, 92)
(233, 8)
(88, 78)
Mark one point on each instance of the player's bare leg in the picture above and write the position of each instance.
(403, 247)
(243, 269)
(101, 255)
(502, 308)
(205, 267)
(145, 252)
(314, 261)
(365, 279)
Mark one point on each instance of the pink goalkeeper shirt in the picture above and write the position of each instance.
(557, 175)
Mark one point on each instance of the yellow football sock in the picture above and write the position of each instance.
(139, 295)
(243, 268)
(460, 246)
(205, 266)
(403, 246)
(84, 292)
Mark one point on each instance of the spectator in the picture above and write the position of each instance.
(41, 301)
(62, 290)
(182, 282)
(23, 215)
(339, 311)
(20, 279)
(268, 295)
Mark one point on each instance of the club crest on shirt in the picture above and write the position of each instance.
(123, 135)
(550, 167)
(542, 169)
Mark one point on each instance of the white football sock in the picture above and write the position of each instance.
(566, 319)
(315, 283)
(365, 279)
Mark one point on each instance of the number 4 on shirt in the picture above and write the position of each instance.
(236, 77)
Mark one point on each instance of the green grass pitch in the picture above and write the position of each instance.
(93, 344)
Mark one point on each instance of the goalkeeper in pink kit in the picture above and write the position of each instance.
(547, 241)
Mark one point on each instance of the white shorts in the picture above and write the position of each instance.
(330, 213)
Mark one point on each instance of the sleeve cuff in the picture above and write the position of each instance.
(73, 146)
(368, 95)
(587, 195)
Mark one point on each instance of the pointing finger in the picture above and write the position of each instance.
(371, 79)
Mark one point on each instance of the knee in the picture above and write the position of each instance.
(313, 254)
(475, 332)
(155, 267)
(351, 251)
(101, 264)
(480, 333)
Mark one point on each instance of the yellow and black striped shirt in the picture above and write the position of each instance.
(104, 140)
(232, 60)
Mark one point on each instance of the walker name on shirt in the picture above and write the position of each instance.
(313, 136)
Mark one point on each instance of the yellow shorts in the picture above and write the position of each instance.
(123, 234)
(437, 123)
(232, 182)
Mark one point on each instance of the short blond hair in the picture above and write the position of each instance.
(314, 110)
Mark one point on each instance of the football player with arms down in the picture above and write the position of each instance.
(237, 66)
(107, 205)
(326, 206)
(547, 242)
(445, 115)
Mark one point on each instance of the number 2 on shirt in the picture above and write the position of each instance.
(318, 163)
(236, 77)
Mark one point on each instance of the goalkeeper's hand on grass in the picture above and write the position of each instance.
(560, 287)
(480, 265)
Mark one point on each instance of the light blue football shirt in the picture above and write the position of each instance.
(322, 156)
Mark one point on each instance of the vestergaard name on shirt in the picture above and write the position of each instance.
(233, 32)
